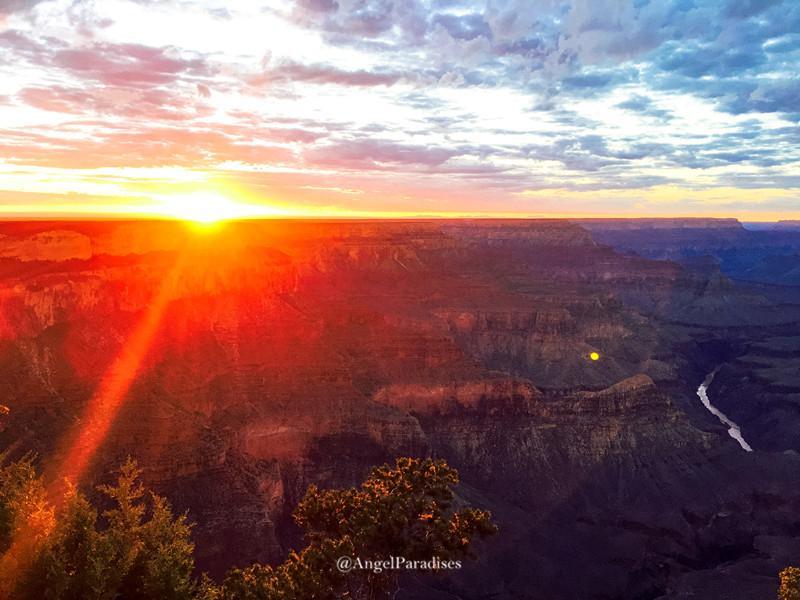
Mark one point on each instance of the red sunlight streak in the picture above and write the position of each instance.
(90, 432)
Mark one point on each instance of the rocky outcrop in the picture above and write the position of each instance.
(788, 224)
(56, 245)
(517, 234)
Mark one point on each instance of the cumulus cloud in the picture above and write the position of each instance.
(368, 18)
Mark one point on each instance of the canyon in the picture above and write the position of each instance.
(263, 356)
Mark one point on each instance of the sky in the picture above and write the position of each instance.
(401, 107)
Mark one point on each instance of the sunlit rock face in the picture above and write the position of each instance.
(270, 355)
(55, 245)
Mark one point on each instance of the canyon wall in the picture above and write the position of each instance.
(272, 354)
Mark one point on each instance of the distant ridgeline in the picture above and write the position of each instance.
(741, 253)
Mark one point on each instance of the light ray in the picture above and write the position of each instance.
(80, 445)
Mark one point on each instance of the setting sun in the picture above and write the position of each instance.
(209, 207)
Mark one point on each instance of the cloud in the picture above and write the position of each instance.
(127, 64)
(744, 9)
(11, 6)
(289, 71)
(316, 6)
(375, 153)
(586, 81)
(644, 106)
(497, 95)
(347, 20)
(149, 146)
(153, 104)
(719, 62)
(462, 27)
(782, 96)
(21, 48)
(459, 51)
(220, 13)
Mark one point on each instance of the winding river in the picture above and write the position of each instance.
(733, 428)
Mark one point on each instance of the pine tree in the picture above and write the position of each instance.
(26, 521)
(145, 559)
(402, 512)
(67, 566)
(140, 551)
(133, 558)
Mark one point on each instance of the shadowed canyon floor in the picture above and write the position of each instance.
(242, 362)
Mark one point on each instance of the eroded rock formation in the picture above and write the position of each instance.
(276, 354)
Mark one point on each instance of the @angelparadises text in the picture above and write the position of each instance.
(346, 564)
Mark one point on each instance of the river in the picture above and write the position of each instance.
(733, 428)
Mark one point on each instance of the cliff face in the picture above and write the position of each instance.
(737, 248)
(537, 233)
(270, 355)
(760, 391)
(679, 225)
(55, 245)
(535, 450)
(781, 270)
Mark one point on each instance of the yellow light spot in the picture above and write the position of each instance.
(594, 356)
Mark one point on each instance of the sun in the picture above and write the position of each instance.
(206, 208)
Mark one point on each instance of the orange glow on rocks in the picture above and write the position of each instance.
(89, 433)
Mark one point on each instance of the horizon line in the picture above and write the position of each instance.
(14, 216)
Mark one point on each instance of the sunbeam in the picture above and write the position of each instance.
(80, 445)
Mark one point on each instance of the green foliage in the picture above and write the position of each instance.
(310, 575)
(24, 510)
(403, 512)
(133, 558)
(207, 589)
(140, 551)
(68, 565)
(790, 584)
(168, 554)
